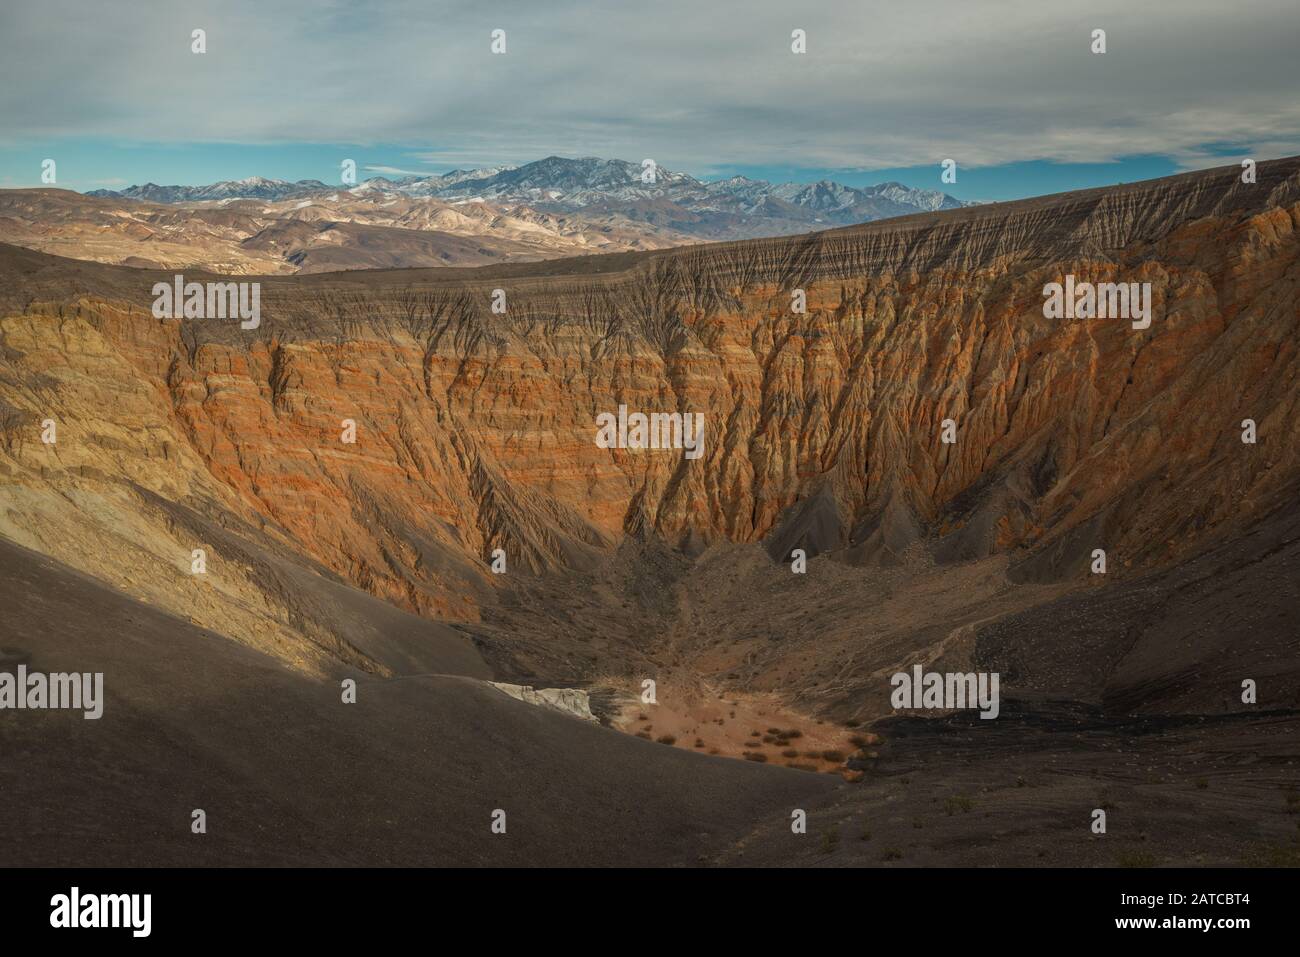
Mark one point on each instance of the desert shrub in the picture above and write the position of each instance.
(833, 755)
(789, 753)
(1136, 859)
(958, 802)
(756, 756)
(666, 739)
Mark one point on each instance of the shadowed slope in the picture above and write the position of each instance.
(288, 774)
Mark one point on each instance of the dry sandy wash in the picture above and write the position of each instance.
(475, 432)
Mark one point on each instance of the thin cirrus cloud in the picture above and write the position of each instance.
(697, 86)
(395, 171)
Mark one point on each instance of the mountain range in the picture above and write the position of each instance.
(557, 183)
(543, 210)
(553, 207)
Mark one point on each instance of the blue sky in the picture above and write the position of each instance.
(1010, 89)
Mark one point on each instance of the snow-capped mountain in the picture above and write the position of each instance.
(826, 196)
(577, 183)
(253, 187)
(612, 191)
(573, 183)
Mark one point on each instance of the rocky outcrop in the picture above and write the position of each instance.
(570, 701)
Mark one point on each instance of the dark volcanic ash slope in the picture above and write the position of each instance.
(408, 775)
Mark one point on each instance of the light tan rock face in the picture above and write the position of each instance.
(328, 232)
(568, 701)
(476, 431)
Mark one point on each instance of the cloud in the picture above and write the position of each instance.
(394, 171)
(692, 85)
